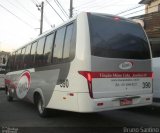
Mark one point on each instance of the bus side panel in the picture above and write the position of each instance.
(68, 95)
(11, 82)
(45, 81)
(63, 100)
(42, 79)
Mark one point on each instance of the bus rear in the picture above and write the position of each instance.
(117, 72)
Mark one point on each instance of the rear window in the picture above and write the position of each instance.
(114, 37)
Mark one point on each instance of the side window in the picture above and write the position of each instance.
(33, 53)
(39, 53)
(68, 39)
(9, 63)
(17, 61)
(15, 58)
(13, 61)
(58, 45)
(22, 58)
(27, 56)
(48, 48)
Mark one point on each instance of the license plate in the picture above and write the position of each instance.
(126, 101)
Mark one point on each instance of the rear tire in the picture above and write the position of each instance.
(9, 97)
(42, 111)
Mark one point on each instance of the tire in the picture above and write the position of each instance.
(42, 111)
(9, 97)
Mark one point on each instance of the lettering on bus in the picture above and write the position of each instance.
(23, 85)
(124, 75)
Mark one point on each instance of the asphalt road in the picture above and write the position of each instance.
(23, 114)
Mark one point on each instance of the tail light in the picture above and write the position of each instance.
(152, 75)
(88, 76)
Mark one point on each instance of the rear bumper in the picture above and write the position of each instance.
(156, 101)
(86, 104)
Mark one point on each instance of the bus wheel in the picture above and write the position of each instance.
(9, 97)
(43, 112)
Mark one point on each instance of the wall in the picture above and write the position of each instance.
(152, 24)
(3, 58)
(152, 6)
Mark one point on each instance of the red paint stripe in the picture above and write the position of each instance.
(14, 86)
(120, 74)
(7, 81)
(10, 83)
(27, 74)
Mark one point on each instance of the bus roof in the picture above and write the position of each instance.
(68, 21)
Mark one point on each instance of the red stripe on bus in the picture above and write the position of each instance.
(120, 74)
(10, 83)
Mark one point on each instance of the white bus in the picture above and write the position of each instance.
(94, 62)
(155, 44)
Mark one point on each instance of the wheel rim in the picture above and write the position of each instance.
(40, 106)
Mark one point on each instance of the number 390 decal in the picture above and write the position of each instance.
(146, 85)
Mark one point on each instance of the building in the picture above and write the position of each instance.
(3, 60)
(151, 5)
(3, 63)
(151, 23)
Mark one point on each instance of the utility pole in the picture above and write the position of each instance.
(41, 22)
(71, 9)
(40, 8)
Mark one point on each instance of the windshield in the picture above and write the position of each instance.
(115, 37)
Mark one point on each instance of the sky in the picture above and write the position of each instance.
(20, 19)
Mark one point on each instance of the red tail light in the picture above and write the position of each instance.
(88, 76)
(152, 75)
